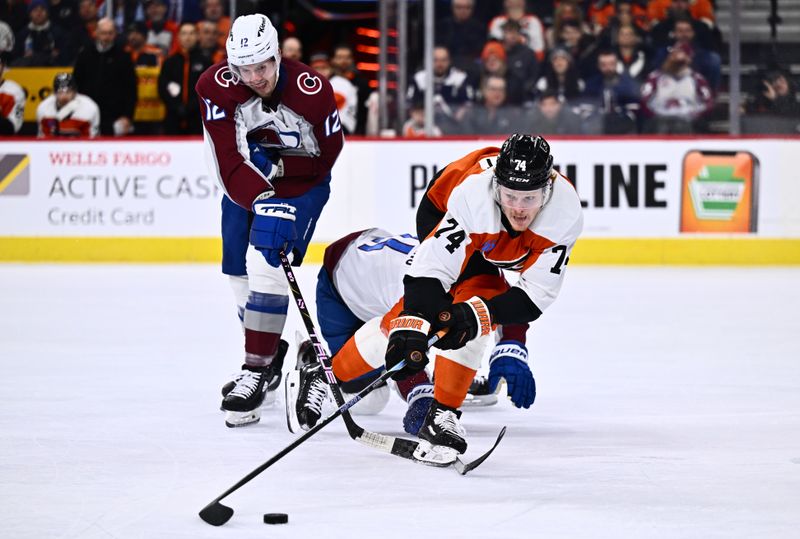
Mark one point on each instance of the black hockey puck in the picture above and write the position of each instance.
(276, 518)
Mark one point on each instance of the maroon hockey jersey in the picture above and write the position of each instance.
(299, 121)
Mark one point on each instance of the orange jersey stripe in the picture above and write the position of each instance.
(348, 363)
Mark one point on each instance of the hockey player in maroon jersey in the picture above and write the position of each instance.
(272, 134)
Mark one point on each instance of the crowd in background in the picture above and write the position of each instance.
(560, 67)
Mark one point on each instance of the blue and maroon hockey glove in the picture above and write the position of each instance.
(273, 228)
(509, 360)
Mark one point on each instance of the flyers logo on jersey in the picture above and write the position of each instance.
(514, 265)
(309, 84)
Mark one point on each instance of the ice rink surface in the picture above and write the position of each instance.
(668, 406)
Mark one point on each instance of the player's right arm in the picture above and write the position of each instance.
(225, 136)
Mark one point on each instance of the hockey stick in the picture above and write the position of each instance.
(218, 514)
(394, 445)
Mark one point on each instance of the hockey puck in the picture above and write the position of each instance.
(276, 518)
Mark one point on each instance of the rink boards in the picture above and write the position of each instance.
(646, 201)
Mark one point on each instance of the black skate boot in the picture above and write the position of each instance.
(306, 390)
(441, 436)
(273, 383)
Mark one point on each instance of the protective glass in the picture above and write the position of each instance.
(256, 72)
(519, 200)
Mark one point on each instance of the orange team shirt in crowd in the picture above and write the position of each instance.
(702, 10)
(601, 16)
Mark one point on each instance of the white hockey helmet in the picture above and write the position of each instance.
(252, 40)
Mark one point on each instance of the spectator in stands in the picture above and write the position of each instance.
(214, 11)
(551, 116)
(493, 60)
(208, 42)
(675, 97)
(176, 83)
(344, 65)
(661, 32)
(607, 15)
(462, 34)
(123, 13)
(561, 77)
(614, 97)
(707, 62)
(631, 56)
(415, 125)
(522, 68)
(162, 32)
(344, 92)
(566, 10)
(453, 92)
(624, 13)
(12, 100)
(495, 117)
(581, 46)
(776, 95)
(66, 113)
(106, 74)
(531, 26)
(700, 10)
(292, 48)
(64, 14)
(84, 31)
(41, 43)
(141, 52)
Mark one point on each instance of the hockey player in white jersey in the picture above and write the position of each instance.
(12, 101)
(66, 113)
(360, 280)
(516, 213)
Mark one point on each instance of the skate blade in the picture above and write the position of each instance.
(291, 387)
(440, 456)
(480, 400)
(242, 419)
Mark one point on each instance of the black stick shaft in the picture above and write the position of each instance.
(319, 426)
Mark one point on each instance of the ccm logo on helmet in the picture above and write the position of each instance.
(309, 84)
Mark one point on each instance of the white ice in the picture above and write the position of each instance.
(668, 406)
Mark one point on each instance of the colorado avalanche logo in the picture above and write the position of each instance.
(309, 84)
(225, 77)
(513, 265)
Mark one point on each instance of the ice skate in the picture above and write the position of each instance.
(441, 436)
(306, 390)
(253, 388)
(272, 384)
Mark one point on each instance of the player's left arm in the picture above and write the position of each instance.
(298, 173)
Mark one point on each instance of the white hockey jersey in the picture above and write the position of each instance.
(12, 102)
(78, 118)
(473, 223)
(369, 272)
